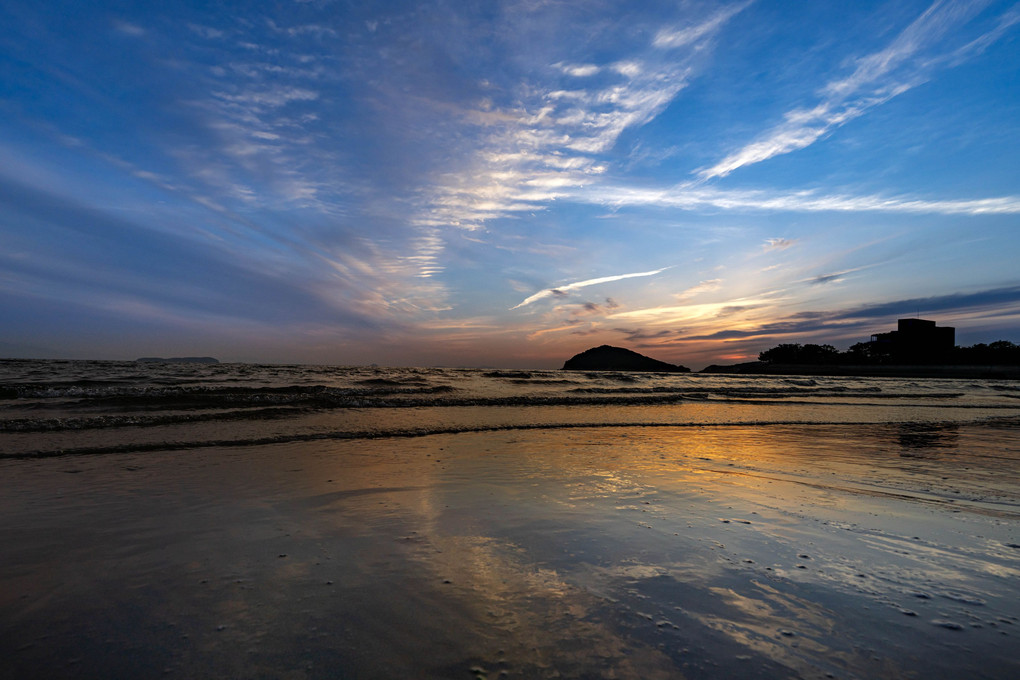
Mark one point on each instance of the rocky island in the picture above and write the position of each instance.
(607, 358)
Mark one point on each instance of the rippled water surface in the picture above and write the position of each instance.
(49, 407)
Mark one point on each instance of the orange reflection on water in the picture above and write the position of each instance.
(622, 551)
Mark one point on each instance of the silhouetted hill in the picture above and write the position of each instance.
(606, 358)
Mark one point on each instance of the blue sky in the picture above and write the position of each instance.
(503, 183)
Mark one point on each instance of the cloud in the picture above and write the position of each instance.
(545, 146)
(827, 278)
(599, 308)
(640, 334)
(100, 259)
(273, 97)
(317, 30)
(877, 78)
(689, 196)
(578, 313)
(127, 28)
(778, 243)
(562, 290)
(866, 319)
(671, 38)
(833, 277)
(697, 313)
(982, 42)
(701, 287)
(206, 32)
(1002, 297)
(579, 70)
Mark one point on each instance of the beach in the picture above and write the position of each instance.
(754, 548)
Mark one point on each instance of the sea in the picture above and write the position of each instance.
(264, 521)
(66, 408)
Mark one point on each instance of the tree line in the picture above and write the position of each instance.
(998, 353)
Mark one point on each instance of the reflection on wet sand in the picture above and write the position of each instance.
(926, 439)
(759, 552)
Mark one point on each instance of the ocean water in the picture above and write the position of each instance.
(239, 520)
(85, 407)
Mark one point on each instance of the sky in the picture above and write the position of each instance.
(503, 183)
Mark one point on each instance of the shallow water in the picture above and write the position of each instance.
(746, 527)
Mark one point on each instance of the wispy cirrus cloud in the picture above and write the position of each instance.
(692, 196)
(681, 36)
(643, 337)
(579, 70)
(128, 28)
(699, 313)
(566, 116)
(701, 287)
(562, 290)
(903, 64)
(833, 277)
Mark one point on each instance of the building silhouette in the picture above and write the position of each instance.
(915, 340)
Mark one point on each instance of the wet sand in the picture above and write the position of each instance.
(751, 552)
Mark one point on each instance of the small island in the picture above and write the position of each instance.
(607, 358)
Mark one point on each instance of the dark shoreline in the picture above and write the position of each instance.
(863, 371)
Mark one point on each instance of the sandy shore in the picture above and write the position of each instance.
(751, 552)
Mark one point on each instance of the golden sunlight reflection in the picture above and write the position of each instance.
(556, 537)
(651, 552)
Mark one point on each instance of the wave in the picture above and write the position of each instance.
(426, 431)
(773, 392)
(26, 425)
(374, 390)
(221, 396)
(151, 406)
(388, 382)
(281, 409)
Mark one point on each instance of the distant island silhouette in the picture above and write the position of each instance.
(607, 358)
(917, 348)
(177, 360)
